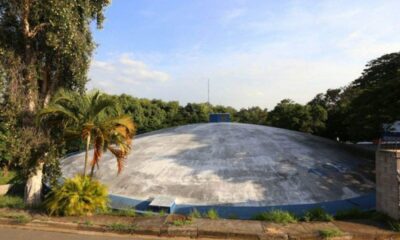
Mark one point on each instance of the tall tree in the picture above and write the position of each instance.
(49, 44)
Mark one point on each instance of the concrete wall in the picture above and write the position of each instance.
(388, 182)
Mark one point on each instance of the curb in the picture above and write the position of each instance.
(171, 231)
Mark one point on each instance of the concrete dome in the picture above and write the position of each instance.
(233, 164)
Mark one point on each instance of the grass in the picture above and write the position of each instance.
(120, 227)
(212, 214)
(330, 233)
(353, 213)
(317, 214)
(195, 214)
(87, 223)
(181, 222)
(276, 216)
(162, 213)
(18, 218)
(148, 214)
(9, 201)
(126, 212)
(21, 219)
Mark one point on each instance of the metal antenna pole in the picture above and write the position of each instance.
(208, 92)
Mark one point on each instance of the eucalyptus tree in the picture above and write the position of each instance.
(44, 45)
(94, 118)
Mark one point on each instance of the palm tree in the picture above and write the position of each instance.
(93, 117)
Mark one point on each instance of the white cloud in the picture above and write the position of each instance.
(123, 73)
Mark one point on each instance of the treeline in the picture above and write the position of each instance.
(352, 113)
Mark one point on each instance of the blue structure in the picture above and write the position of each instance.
(219, 117)
(364, 203)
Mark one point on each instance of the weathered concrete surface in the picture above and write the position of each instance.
(388, 182)
(232, 163)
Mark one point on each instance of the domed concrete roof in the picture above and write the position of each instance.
(232, 164)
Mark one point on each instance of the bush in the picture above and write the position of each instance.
(330, 233)
(181, 222)
(317, 214)
(77, 196)
(212, 214)
(276, 216)
(11, 202)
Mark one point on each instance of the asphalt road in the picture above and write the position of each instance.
(11, 233)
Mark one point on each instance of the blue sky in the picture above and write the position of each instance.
(254, 52)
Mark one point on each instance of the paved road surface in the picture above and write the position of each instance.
(11, 233)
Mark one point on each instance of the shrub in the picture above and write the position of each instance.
(181, 222)
(7, 201)
(276, 216)
(212, 214)
(330, 233)
(353, 213)
(195, 213)
(317, 214)
(77, 196)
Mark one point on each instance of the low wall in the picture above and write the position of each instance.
(364, 202)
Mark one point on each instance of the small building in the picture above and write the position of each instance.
(392, 127)
(390, 137)
(162, 203)
(219, 117)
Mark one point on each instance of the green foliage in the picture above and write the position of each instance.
(317, 214)
(181, 222)
(8, 177)
(195, 213)
(233, 216)
(21, 219)
(87, 223)
(394, 225)
(77, 196)
(212, 214)
(353, 213)
(330, 233)
(121, 227)
(10, 201)
(253, 115)
(290, 115)
(162, 213)
(276, 216)
(148, 214)
(96, 120)
(126, 212)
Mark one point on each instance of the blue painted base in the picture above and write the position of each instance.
(365, 202)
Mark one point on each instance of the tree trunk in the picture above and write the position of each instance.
(33, 187)
(86, 154)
